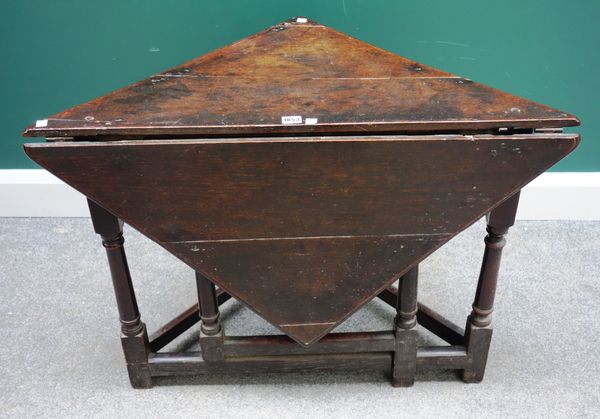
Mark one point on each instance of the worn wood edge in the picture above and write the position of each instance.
(317, 129)
(89, 142)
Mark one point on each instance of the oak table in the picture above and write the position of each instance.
(303, 172)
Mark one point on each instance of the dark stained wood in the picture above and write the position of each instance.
(134, 337)
(389, 295)
(407, 336)
(303, 50)
(478, 332)
(429, 319)
(503, 216)
(406, 302)
(310, 215)
(440, 326)
(244, 346)
(211, 330)
(191, 363)
(499, 221)
(302, 187)
(308, 70)
(306, 286)
(444, 357)
(170, 331)
(305, 222)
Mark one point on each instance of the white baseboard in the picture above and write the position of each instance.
(552, 196)
(37, 193)
(561, 196)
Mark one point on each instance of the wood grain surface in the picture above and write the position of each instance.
(286, 224)
(341, 84)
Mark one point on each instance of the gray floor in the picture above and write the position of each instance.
(60, 354)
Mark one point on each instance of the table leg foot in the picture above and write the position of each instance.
(405, 358)
(136, 350)
(478, 345)
(212, 346)
(139, 376)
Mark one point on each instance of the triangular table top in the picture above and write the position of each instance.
(228, 162)
(333, 82)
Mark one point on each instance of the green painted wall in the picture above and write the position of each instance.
(59, 53)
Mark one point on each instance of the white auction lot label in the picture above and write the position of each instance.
(293, 119)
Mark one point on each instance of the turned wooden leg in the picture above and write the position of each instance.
(211, 331)
(478, 333)
(134, 338)
(405, 355)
